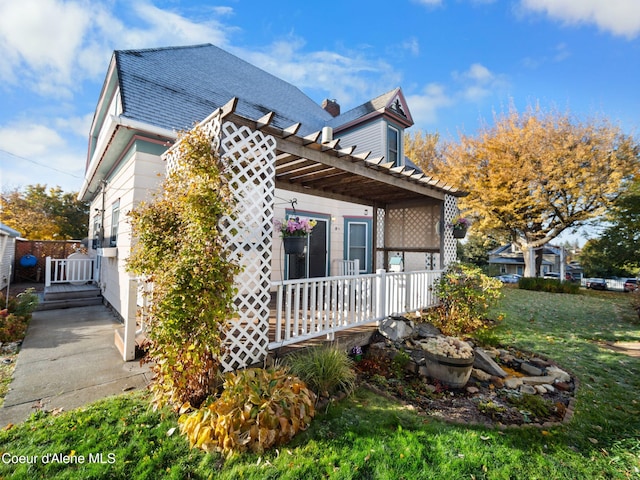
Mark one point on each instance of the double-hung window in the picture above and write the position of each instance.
(115, 217)
(393, 145)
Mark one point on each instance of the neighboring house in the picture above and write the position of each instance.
(294, 157)
(509, 259)
(7, 253)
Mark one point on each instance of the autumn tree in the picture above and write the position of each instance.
(39, 213)
(535, 174)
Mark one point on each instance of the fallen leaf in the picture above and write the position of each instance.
(593, 440)
(171, 431)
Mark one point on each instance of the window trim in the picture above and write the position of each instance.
(367, 222)
(115, 221)
(398, 149)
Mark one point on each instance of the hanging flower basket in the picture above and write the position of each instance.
(294, 245)
(294, 234)
(459, 232)
(460, 226)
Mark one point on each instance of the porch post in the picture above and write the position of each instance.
(47, 272)
(381, 292)
(129, 349)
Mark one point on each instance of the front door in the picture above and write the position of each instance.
(314, 259)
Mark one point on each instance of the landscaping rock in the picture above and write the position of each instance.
(540, 389)
(481, 375)
(484, 362)
(538, 362)
(541, 380)
(395, 328)
(473, 390)
(426, 330)
(528, 389)
(530, 369)
(559, 374)
(512, 383)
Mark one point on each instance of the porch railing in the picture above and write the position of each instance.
(313, 307)
(68, 270)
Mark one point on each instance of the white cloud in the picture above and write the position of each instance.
(27, 147)
(430, 3)
(412, 45)
(348, 77)
(425, 105)
(50, 46)
(470, 86)
(619, 17)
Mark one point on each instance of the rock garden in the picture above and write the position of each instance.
(454, 380)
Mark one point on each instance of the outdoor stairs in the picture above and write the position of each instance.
(67, 296)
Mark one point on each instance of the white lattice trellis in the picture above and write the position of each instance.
(450, 244)
(252, 178)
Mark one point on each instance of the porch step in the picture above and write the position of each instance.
(81, 291)
(69, 303)
(69, 296)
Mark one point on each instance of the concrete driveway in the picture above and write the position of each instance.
(68, 359)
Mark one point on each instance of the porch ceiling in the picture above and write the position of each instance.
(304, 164)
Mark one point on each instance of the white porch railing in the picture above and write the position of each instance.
(68, 270)
(313, 307)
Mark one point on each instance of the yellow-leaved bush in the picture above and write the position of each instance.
(257, 409)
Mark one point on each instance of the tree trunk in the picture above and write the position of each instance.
(532, 259)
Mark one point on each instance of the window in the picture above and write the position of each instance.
(393, 144)
(115, 216)
(96, 233)
(357, 242)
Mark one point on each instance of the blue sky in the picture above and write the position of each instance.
(457, 61)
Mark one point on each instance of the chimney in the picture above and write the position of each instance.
(331, 106)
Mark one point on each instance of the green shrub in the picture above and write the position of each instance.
(325, 369)
(549, 285)
(15, 318)
(258, 409)
(182, 251)
(465, 295)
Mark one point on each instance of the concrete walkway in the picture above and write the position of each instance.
(68, 359)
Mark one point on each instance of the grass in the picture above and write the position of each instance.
(371, 437)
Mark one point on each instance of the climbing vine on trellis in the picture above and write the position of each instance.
(180, 249)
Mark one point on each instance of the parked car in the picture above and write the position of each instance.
(596, 284)
(555, 275)
(509, 278)
(630, 285)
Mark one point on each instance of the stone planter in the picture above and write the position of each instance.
(454, 372)
(294, 245)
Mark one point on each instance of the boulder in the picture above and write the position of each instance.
(530, 369)
(539, 380)
(395, 328)
(559, 374)
(512, 383)
(484, 362)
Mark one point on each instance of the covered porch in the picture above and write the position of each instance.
(410, 214)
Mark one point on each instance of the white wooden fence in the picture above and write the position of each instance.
(68, 270)
(313, 307)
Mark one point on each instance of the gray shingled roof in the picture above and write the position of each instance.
(175, 87)
(377, 104)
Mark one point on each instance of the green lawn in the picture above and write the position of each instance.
(370, 437)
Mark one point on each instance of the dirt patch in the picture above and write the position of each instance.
(631, 349)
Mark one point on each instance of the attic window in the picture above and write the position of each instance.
(393, 144)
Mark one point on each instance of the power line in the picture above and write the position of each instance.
(40, 164)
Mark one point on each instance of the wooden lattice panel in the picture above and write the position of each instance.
(251, 156)
(413, 227)
(450, 244)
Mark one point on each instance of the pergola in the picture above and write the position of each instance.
(410, 209)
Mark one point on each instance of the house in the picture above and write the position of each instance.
(7, 254)
(292, 156)
(509, 259)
